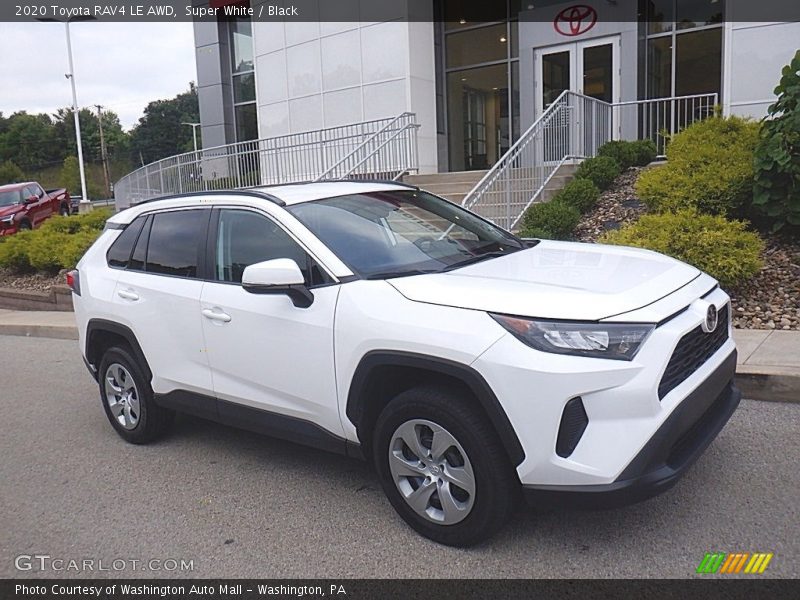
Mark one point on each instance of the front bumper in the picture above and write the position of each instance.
(680, 440)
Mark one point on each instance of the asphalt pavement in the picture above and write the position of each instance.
(236, 504)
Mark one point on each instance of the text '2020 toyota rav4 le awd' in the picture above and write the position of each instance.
(381, 321)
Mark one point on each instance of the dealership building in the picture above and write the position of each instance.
(474, 86)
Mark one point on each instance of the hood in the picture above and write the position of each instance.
(555, 280)
(9, 210)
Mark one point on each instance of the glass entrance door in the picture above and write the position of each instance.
(590, 68)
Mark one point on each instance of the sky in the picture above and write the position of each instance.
(121, 66)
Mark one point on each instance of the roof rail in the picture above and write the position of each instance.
(246, 192)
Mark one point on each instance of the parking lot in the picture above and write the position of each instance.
(240, 505)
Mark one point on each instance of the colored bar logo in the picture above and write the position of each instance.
(739, 562)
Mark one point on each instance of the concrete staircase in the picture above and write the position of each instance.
(456, 185)
(453, 186)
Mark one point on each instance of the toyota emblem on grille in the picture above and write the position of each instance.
(710, 323)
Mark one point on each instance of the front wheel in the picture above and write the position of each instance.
(443, 467)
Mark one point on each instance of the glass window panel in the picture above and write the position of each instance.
(514, 101)
(514, 39)
(244, 88)
(477, 109)
(245, 238)
(242, 45)
(246, 122)
(476, 46)
(659, 15)
(597, 72)
(698, 62)
(120, 252)
(696, 13)
(176, 240)
(555, 76)
(659, 67)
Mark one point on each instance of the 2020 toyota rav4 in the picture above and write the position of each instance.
(380, 321)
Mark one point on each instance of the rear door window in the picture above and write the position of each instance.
(176, 243)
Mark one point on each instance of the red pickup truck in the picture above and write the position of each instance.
(27, 205)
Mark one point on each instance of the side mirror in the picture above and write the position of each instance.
(278, 276)
(31, 199)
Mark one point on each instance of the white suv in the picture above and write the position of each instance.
(380, 321)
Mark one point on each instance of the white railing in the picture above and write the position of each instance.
(659, 118)
(379, 149)
(572, 128)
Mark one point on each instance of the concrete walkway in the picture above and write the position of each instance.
(768, 369)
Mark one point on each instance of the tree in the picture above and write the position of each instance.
(70, 176)
(10, 173)
(160, 133)
(28, 141)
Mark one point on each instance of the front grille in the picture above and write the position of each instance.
(694, 349)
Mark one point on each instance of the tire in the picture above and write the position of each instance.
(25, 226)
(469, 452)
(64, 212)
(127, 399)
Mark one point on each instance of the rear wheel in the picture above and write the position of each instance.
(443, 467)
(128, 398)
(64, 212)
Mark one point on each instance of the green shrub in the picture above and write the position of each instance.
(645, 152)
(552, 220)
(709, 167)
(724, 249)
(58, 244)
(622, 152)
(776, 193)
(600, 170)
(581, 194)
(14, 252)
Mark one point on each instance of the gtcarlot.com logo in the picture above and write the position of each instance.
(45, 562)
(736, 562)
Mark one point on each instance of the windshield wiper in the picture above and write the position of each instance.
(403, 273)
(478, 258)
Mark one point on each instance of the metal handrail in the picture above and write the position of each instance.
(305, 156)
(574, 127)
(364, 144)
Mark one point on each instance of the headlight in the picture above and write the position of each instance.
(7, 220)
(617, 341)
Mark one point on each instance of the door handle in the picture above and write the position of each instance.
(128, 295)
(216, 315)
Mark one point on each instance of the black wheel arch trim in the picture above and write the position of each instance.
(470, 377)
(102, 325)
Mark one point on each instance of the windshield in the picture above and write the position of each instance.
(10, 197)
(397, 233)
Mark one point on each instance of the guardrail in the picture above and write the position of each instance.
(574, 127)
(378, 149)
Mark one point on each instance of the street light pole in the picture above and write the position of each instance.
(194, 127)
(85, 204)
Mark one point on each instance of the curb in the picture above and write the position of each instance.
(767, 384)
(58, 332)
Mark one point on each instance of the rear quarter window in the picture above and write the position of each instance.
(119, 254)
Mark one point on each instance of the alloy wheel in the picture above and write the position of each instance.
(122, 396)
(432, 471)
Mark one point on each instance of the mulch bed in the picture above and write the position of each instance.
(771, 300)
(36, 282)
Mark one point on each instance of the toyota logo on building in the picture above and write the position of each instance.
(575, 20)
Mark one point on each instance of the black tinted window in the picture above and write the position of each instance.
(140, 252)
(245, 238)
(175, 242)
(120, 252)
